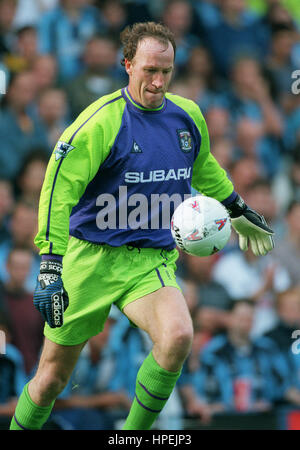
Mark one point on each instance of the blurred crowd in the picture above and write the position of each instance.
(239, 60)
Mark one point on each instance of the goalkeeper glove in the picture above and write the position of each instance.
(50, 297)
(251, 227)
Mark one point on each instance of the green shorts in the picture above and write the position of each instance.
(96, 276)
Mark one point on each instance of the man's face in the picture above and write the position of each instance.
(150, 72)
(241, 320)
(289, 308)
(18, 267)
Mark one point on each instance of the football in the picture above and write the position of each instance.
(201, 226)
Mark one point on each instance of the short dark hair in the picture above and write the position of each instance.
(25, 29)
(132, 35)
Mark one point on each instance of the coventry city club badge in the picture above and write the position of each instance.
(62, 149)
(185, 140)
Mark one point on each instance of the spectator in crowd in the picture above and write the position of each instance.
(288, 311)
(250, 95)
(263, 201)
(248, 134)
(45, 73)
(200, 64)
(114, 15)
(279, 64)
(287, 249)
(27, 44)
(200, 67)
(244, 172)
(235, 32)
(291, 137)
(277, 14)
(262, 7)
(88, 402)
(12, 373)
(210, 319)
(63, 32)
(142, 10)
(208, 14)
(20, 129)
(30, 178)
(222, 148)
(286, 185)
(177, 16)
(7, 14)
(250, 98)
(236, 372)
(256, 278)
(212, 303)
(19, 304)
(252, 141)
(52, 108)
(25, 50)
(29, 11)
(218, 122)
(22, 227)
(199, 271)
(6, 207)
(191, 87)
(98, 77)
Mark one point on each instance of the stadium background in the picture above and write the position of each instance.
(239, 60)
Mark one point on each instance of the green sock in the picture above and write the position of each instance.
(28, 415)
(154, 386)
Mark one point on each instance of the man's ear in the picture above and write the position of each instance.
(128, 66)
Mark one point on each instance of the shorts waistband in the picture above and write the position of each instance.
(129, 247)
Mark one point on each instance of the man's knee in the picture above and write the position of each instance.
(47, 385)
(177, 340)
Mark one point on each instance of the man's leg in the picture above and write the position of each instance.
(164, 315)
(37, 399)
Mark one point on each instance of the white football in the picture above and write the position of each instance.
(201, 226)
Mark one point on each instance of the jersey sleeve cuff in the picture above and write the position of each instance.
(52, 258)
(229, 199)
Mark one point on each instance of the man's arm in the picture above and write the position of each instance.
(81, 150)
(72, 166)
(74, 163)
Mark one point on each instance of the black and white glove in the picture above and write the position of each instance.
(50, 298)
(251, 227)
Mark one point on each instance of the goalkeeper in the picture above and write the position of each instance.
(100, 245)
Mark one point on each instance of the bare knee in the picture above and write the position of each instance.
(174, 345)
(46, 385)
(180, 340)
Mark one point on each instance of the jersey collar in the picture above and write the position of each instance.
(138, 106)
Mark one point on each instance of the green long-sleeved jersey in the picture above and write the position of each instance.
(119, 171)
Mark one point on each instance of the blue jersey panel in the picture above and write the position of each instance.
(146, 175)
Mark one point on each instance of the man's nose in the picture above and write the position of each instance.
(158, 81)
